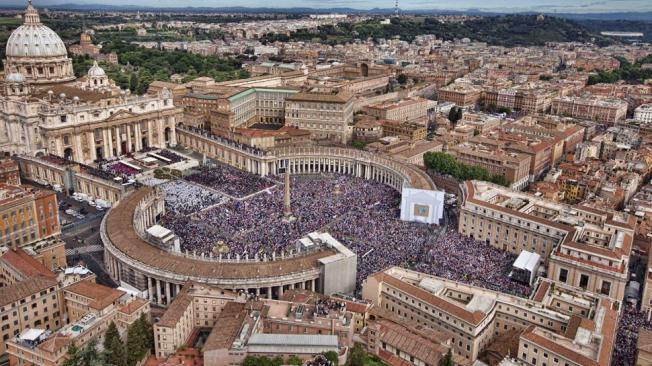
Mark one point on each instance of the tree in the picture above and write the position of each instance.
(357, 356)
(447, 360)
(88, 356)
(402, 79)
(455, 114)
(114, 349)
(133, 82)
(332, 356)
(294, 360)
(148, 331)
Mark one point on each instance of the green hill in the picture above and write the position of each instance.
(508, 30)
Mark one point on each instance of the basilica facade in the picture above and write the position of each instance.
(44, 109)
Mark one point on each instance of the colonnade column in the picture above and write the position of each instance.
(150, 288)
(90, 136)
(118, 142)
(158, 291)
(109, 136)
(167, 293)
(138, 135)
(129, 147)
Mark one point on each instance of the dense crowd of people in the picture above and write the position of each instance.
(172, 156)
(631, 321)
(122, 170)
(183, 198)
(466, 260)
(229, 180)
(363, 215)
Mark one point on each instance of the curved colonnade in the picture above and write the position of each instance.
(130, 259)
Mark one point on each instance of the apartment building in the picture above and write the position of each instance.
(42, 347)
(643, 113)
(405, 110)
(529, 100)
(398, 341)
(462, 94)
(327, 114)
(84, 297)
(16, 265)
(515, 167)
(9, 172)
(584, 247)
(27, 215)
(409, 131)
(559, 324)
(321, 317)
(196, 305)
(539, 150)
(31, 303)
(591, 108)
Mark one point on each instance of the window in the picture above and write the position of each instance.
(605, 289)
(563, 275)
(584, 281)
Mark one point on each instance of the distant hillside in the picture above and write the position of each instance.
(508, 30)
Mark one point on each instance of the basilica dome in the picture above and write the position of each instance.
(37, 52)
(96, 71)
(35, 40)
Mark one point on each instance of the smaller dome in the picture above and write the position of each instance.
(96, 71)
(15, 77)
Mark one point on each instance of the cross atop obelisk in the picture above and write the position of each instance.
(287, 210)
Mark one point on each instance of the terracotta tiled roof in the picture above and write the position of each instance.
(133, 305)
(100, 296)
(176, 309)
(230, 321)
(54, 343)
(25, 264)
(474, 318)
(26, 288)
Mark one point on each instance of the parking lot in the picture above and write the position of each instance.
(72, 211)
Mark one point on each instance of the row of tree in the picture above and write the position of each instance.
(446, 164)
(140, 340)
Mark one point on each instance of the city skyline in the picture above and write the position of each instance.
(547, 6)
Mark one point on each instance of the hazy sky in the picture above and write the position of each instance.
(584, 6)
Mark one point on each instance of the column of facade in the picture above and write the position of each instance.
(91, 145)
(150, 288)
(168, 296)
(313, 285)
(138, 136)
(149, 133)
(269, 293)
(161, 133)
(280, 291)
(109, 136)
(79, 153)
(128, 129)
(59, 145)
(158, 291)
(173, 134)
(118, 142)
